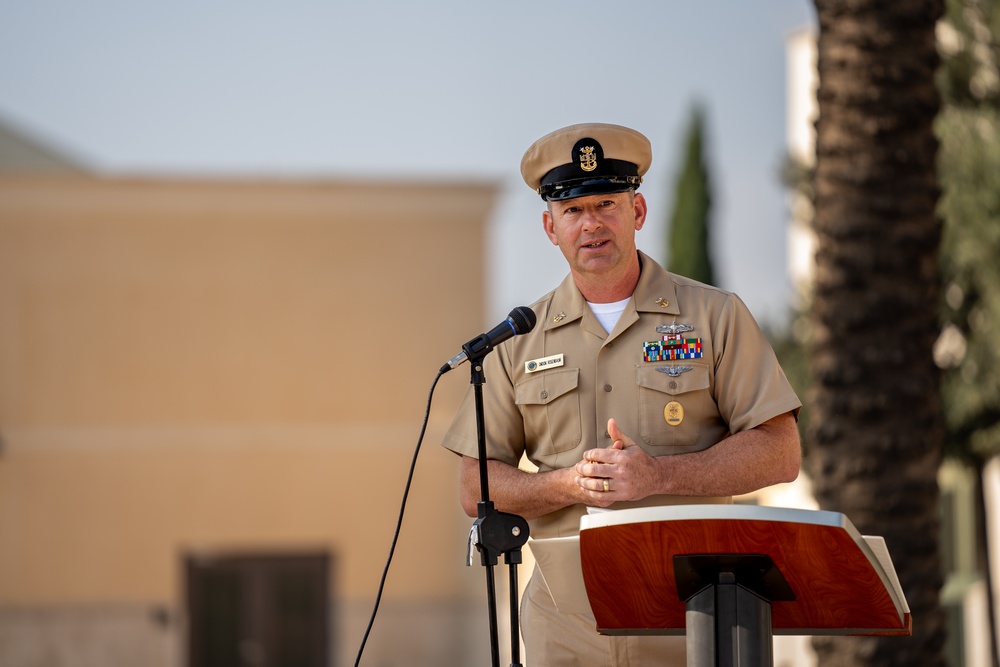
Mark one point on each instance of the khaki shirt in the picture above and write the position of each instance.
(727, 380)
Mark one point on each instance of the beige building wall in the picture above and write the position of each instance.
(196, 367)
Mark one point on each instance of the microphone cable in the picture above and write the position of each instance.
(399, 521)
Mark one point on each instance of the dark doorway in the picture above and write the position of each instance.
(258, 610)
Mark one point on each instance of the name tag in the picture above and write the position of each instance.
(535, 365)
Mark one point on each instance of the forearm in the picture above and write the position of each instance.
(743, 462)
(515, 491)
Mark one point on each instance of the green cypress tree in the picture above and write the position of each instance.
(688, 250)
(969, 127)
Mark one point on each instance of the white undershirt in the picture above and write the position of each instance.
(608, 313)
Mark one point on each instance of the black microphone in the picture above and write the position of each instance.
(521, 320)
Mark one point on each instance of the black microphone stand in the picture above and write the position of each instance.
(494, 532)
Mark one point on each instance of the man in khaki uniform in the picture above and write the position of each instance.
(637, 387)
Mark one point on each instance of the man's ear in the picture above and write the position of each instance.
(639, 206)
(549, 225)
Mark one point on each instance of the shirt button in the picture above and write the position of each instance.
(673, 384)
(545, 394)
(607, 387)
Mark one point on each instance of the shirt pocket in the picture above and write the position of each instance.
(689, 390)
(550, 405)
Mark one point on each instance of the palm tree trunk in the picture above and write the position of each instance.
(877, 429)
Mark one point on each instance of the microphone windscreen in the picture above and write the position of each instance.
(523, 319)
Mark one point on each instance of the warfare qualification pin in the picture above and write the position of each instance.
(674, 328)
(674, 371)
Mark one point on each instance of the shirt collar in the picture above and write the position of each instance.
(654, 293)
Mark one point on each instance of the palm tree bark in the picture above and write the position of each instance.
(877, 430)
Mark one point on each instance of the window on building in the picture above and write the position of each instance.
(258, 610)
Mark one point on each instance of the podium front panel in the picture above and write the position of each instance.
(839, 586)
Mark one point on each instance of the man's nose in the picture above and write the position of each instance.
(591, 220)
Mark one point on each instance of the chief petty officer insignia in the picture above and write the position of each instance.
(671, 347)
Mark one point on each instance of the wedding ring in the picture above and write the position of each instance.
(606, 488)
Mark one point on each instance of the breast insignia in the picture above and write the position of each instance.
(674, 328)
(673, 413)
(674, 371)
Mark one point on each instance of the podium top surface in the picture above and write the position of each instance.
(843, 582)
(716, 511)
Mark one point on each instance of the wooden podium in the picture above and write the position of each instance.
(731, 575)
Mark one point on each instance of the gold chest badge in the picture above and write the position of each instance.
(673, 413)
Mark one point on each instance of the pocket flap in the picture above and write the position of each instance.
(651, 377)
(544, 388)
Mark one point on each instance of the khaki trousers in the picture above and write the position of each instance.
(552, 639)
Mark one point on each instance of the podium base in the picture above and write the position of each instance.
(728, 608)
(728, 626)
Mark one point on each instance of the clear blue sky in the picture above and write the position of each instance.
(438, 88)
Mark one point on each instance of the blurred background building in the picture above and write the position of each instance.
(210, 395)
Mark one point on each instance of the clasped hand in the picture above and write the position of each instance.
(623, 471)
